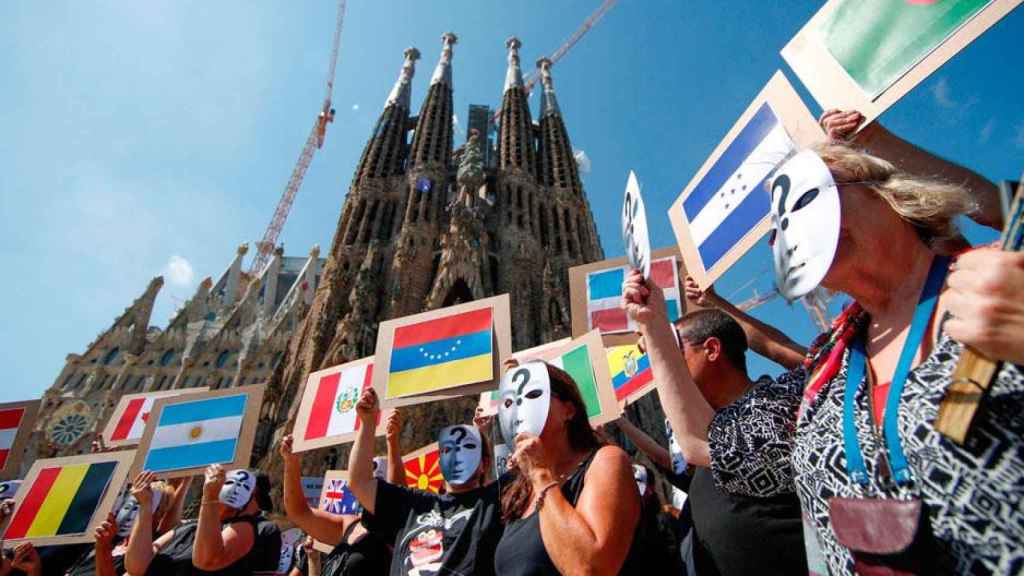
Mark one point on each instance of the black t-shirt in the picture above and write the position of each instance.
(453, 534)
(86, 564)
(175, 558)
(367, 555)
(267, 549)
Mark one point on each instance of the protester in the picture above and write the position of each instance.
(22, 560)
(307, 559)
(870, 455)
(587, 524)
(453, 533)
(224, 540)
(737, 433)
(355, 549)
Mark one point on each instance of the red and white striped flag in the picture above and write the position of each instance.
(128, 421)
(10, 420)
(327, 413)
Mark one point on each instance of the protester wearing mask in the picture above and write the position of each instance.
(454, 533)
(867, 452)
(572, 506)
(737, 433)
(355, 549)
(223, 541)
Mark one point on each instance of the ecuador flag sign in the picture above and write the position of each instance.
(63, 499)
(631, 372)
(423, 469)
(443, 353)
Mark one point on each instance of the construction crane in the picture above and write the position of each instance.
(315, 141)
(531, 78)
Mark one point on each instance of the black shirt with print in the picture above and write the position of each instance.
(451, 534)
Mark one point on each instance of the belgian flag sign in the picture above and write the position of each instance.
(63, 499)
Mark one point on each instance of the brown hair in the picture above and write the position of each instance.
(582, 438)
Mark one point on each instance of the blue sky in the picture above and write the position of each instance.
(145, 138)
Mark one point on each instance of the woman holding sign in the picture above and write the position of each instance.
(572, 506)
(453, 533)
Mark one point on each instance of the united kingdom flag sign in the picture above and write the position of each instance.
(337, 497)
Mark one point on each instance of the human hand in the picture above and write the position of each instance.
(840, 125)
(482, 422)
(510, 363)
(105, 534)
(288, 455)
(368, 408)
(644, 302)
(213, 481)
(27, 560)
(986, 304)
(393, 427)
(706, 297)
(142, 491)
(529, 458)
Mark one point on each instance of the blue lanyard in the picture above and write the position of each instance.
(855, 375)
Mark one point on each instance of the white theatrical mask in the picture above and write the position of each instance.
(128, 512)
(805, 223)
(289, 539)
(676, 453)
(380, 467)
(640, 475)
(461, 451)
(525, 400)
(501, 455)
(237, 489)
(9, 489)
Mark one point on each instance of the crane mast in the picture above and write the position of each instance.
(315, 141)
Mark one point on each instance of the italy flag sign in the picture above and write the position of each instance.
(443, 353)
(185, 434)
(327, 412)
(62, 500)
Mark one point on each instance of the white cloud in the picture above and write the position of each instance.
(582, 160)
(179, 271)
(986, 131)
(355, 107)
(942, 94)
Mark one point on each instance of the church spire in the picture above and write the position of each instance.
(432, 143)
(515, 138)
(513, 76)
(443, 71)
(400, 93)
(384, 154)
(548, 102)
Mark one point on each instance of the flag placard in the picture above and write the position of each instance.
(595, 295)
(423, 469)
(337, 498)
(128, 421)
(865, 55)
(16, 421)
(327, 411)
(584, 359)
(187, 433)
(724, 210)
(63, 500)
(630, 368)
(489, 399)
(442, 354)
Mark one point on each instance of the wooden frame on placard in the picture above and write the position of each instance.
(501, 346)
(329, 475)
(299, 443)
(247, 434)
(802, 128)
(578, 293)
(830, 84)
(117, 481)
(611, 410)
(108, 429)
(28, 419)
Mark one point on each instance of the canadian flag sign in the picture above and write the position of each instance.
(128, 421)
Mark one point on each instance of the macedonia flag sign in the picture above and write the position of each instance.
(62, 500)
(423, 469)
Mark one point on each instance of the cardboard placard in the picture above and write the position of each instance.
(51, 512)
(148, 400)
(489, 400)
(423, 468)
(242, 452)
(21, 417)
(311, 432)
(578, 293)
(328, 476)
(429, 389)
(835, 85)
(729, 212)
(603, 392)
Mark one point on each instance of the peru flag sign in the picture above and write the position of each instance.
(128, 421)
(327, 412)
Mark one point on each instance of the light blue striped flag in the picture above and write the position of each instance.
(197, 433)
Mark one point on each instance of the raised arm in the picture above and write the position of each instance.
(171, 518)
(360, 474)
(323, 526)
(656, 452)
(141, 547)
(876, 139)
(218, 547)
(104, 546)
(396, 469)
(687, 410)
(762, 338)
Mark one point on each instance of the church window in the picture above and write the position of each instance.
(167, 357)
(222, 359)
(111, 355)
(163, 381)
(67, 381)
(543, 228)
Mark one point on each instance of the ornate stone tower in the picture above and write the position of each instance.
(425, 226)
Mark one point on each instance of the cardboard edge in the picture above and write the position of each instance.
(16, 453)
(108, 428)
(300, 444)
(329, 475)
(243, 450)
(610, 410)
(118, 478)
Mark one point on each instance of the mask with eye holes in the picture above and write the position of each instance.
(128, 511)
(525, 397)
(461, 451)
(674, 450)
(805, 224)
(238, 489)
(380, 468)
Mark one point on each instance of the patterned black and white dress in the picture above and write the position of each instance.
(974, 493)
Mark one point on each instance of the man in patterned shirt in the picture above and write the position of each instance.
(737, 433)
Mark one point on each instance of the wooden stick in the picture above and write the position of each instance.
(974, 372)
